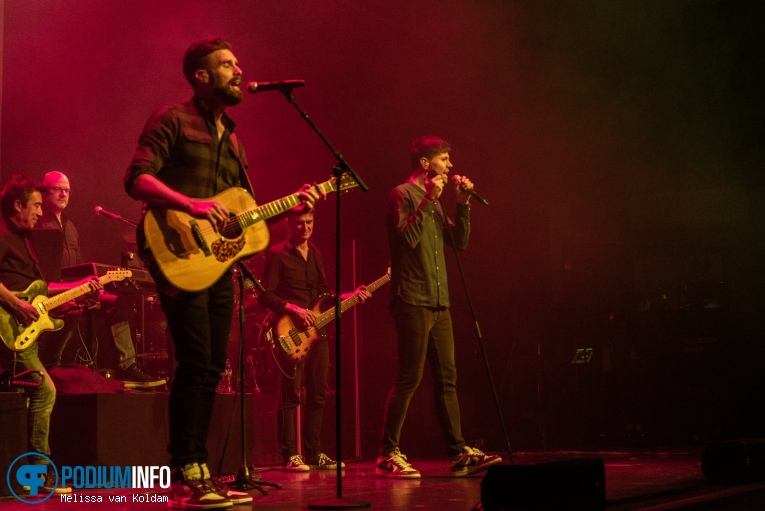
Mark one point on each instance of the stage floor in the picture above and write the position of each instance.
(633, 481)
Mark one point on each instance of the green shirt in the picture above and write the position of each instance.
(416, 234)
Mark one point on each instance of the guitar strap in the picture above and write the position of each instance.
(244, 179)
(33, 255)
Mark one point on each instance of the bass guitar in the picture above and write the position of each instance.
(18, 337)
(295, 344)
(193, 256)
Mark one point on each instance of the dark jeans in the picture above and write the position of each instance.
(115, 308)
(199, 324)
(41, 399)
(424, 333)
(315, 371)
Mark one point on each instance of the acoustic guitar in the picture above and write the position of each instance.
(193, 256)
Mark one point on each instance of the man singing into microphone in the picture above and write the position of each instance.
(417, 231)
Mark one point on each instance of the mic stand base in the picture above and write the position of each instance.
(245, 482)
(338, 503)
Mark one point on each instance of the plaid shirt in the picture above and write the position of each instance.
(416, 235)
(180, 147)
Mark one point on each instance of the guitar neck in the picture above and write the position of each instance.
(71, 294)
(271, 209)
(327, 316)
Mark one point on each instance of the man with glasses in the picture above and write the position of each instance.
(55, 202)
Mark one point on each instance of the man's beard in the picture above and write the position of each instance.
(227, 95)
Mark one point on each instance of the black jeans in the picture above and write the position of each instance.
(424, 333)
(199, 324)
(315, 370)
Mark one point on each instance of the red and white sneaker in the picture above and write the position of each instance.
(189, 491)
(296, 464)
(471, 461)
(235, 496)
(395, 466)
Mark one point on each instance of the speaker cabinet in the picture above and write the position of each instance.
(734, 461)
(13, 435)
(577, 484)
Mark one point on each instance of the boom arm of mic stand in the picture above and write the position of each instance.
(247, 274)
(342, 166)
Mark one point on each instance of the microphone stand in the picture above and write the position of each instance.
(479, 337)
(100, 212)
(341, 168)
(244, 480)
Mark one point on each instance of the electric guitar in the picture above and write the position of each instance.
(193, 256)
(18, 337)
(294, 344)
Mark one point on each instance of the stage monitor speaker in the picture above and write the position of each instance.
(13, 435)
(734, 461)
(575, 484)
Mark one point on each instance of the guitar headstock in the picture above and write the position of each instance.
(346, 182)
(118, 274)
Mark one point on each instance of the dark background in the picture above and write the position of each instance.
(619, 143)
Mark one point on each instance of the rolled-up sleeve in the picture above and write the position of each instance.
(154, 144)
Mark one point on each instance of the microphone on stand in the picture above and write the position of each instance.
(282, 86)
(470, 191)
(98, 210)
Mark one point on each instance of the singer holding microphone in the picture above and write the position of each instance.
(417, 231)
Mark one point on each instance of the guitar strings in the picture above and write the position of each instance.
(236, 223)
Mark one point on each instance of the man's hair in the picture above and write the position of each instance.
(196, 55)
(19, 188)
(303, 209)
(428, 146)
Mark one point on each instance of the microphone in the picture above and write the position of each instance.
(98, 210)
(470, 191)
(283, 86)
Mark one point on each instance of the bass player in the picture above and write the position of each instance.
(294, 279)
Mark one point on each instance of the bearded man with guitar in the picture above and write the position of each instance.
(21, 206)
(187, 156)
(295, 283)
